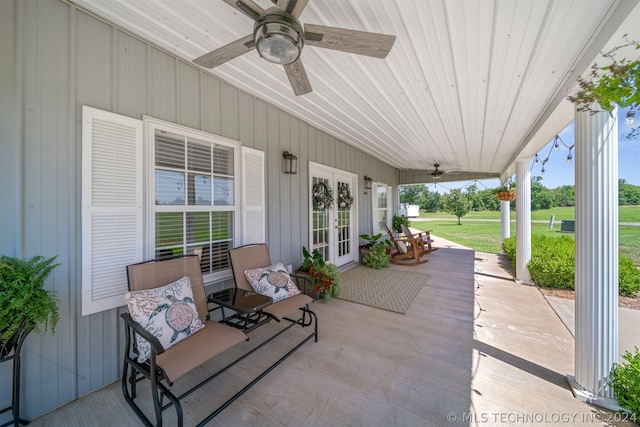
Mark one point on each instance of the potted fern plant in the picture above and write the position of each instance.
(24, 303)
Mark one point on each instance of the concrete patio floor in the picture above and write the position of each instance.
(475, 348)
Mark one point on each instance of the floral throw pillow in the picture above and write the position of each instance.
(168, 312)
(273, 281)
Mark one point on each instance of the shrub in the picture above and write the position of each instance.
(625, 380)
(552, 264)
(509, 248)
(629, 277)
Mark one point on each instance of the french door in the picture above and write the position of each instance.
(332, 225)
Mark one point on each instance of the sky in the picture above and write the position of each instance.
(558, 172)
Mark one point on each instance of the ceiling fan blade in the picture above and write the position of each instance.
(297, 7)
(248, 7)
(292, 7)
(298, 77)
(226, 53)
(358, 42)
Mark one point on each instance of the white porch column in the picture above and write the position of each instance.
(505, 219)
(596, 277)
(523, 220)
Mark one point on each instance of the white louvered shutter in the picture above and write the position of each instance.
(253, 196)
(112, 206)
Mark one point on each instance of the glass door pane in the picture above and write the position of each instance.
(320, 220)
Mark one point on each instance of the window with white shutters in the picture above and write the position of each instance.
(194, 184)
(153, 189)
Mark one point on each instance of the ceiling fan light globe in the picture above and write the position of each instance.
(278, 37)
(278, 49)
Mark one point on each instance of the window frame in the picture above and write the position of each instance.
(376, 209)
(152, 124)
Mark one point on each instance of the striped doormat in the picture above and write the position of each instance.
(388, 289)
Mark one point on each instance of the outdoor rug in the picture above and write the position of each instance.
(392, 290)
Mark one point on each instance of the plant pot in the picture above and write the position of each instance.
(364, 250)
(506, 196)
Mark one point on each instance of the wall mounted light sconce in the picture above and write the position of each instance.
(290, 163)
(368, 181)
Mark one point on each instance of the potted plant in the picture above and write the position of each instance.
(376, 252)
(24, 303)
(506, 192)
(324, 276)
(398, 220)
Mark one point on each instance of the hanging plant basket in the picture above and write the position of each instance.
(322, 196)
(506, 196)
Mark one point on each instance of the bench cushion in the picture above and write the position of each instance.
(212, 340)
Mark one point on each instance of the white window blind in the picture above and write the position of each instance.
(253, 196)
(112, 211)
(192, 188)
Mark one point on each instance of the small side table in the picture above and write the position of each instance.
(246, 305)
(14, 347)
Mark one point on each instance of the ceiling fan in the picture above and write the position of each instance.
(437, 173)
(279, 37)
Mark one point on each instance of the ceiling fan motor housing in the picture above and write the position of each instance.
(278, 36)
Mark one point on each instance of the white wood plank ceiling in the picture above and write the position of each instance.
(469, 84)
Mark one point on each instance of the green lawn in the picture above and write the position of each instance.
(481, 230)
(625, 214)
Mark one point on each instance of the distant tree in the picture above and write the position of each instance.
(477, 202)
(541, 196)
(408, 193)
(490, 200)
(456, 203)
(565, 195)
(432, 201)
(628, 194)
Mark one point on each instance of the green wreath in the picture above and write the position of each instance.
(345, 200)
(322, 196)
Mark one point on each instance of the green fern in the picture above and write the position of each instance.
(23, 300)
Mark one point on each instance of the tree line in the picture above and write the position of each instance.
(474, 199)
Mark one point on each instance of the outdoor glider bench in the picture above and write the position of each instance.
(169, 331)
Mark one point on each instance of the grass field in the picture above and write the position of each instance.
(625, 214)
(481, 230)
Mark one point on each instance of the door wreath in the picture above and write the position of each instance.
(345, 200)
(322, 196)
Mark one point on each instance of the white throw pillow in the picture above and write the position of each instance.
(168, 312)
(273, 281)
(402, 247)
